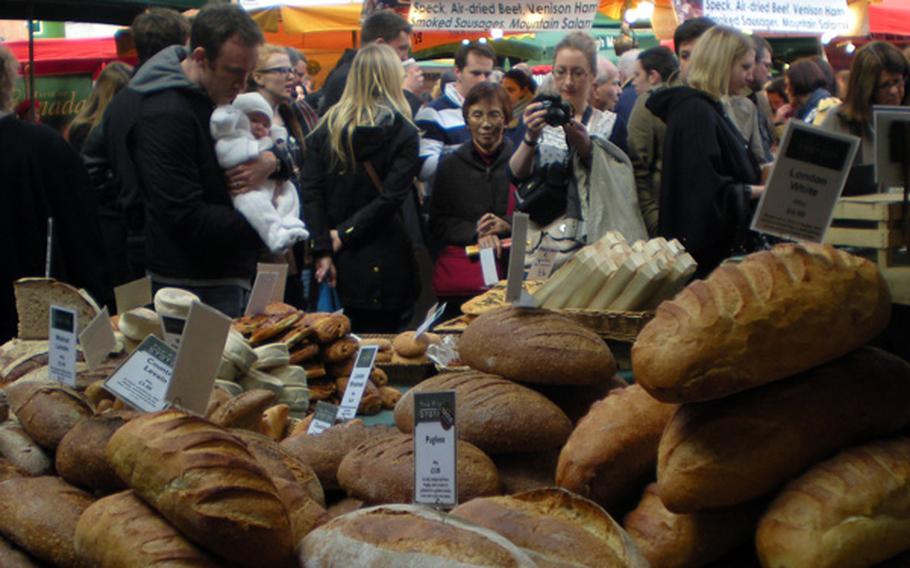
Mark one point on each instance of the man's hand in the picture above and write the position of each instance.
(252, 174)
(490, 224)
(336, 240)
(325, 271)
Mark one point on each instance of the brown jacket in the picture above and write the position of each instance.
(646, 141)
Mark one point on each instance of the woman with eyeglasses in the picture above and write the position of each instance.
(878, 76)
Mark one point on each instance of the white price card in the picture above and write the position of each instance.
(323, 419)
(808, 177)
(135, 294)
(143, 379)
(97, 339)
(433, 314)
(542, 265)
(435, 449)
(263, 289)
(363, 366)
(488, 267)
(61, 360)
(515, 292)
(282, 271)
(198, 358)
(172, 330)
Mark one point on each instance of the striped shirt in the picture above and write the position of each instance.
(442, 130)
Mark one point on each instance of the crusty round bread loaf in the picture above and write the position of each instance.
(123, 532)
(556, 528)
(690, 540)
(725, 452)
(851, 510)
(406, 344)
(381, 470)
(80, 457)
(40, 514)
(536, 346)
(47, 411)
(496, 415)
(612, 452)
(139, 323)
(775, 314)
(407, 535)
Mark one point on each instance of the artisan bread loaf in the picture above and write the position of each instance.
(851, 510)
(340, 350)
(20, 356)
(576, 401)
(81, 458)
(536, 346)
(725, 452)
(407, 344)
(34, 298)
(279, 462)
(244, 411)
(120, 531)
(8, 471)
(206, 483)
(407, 535)
(21, 451)
(690, 540)
(381, 470)
(775, 314)
(40, 514)
(524, 472)
(496, 415)
(556, 528)
(12, 557)
(47, 411)
(612, 452)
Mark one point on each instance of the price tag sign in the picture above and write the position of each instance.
(807, 180)
(433, 314)
(323, 419)
(135, 294)
(61, 360)
(515, 292)
(543, 264)
(363, 366)
(143, 379)
(281, 270)
(97, 339)
(198, 358)
(172, 330)
(435, 449)
(263, 290)
(488, 267)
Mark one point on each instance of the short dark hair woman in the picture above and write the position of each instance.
(807, 87)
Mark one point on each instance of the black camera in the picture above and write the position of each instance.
(558, 112)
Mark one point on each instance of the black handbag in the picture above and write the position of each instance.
(544, 196)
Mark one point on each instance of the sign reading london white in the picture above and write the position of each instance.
(805, 16)
(506, 15)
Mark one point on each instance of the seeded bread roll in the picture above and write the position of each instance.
(612, 452)
(725, 452)
(205, 482)
(496, 415)
(120, 531)
(381, 470)
(40, 514)
(536, 346)
(851, 510)
(777, 313)
(47, 411)
(80, 457)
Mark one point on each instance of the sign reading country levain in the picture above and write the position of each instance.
(803, 16)
(506, 15)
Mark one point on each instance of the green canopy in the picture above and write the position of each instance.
(98, 11)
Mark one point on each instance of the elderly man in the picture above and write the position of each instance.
(607, 86)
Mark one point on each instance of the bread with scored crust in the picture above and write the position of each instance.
(81, 458)
(775, 314)
(47, 411)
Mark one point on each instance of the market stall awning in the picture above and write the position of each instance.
(309, 19)
(100, 11)
(891, 17)
(67, 56)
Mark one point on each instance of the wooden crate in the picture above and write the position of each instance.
(874, 224)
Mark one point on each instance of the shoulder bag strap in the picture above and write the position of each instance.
(374, 177)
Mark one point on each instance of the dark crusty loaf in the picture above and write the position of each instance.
(613, 450)
(724, 452)
(40, 514)
(81, 458)
(523, 472)
(120, 531)
(407, 536)
(205, 482)
(556, 528)
(690, 540)
(536, 346)
(47, 411)
(381, 470)
(496, 415)
(576, 401)
(775, 314)
(324, 452)
(851, 510)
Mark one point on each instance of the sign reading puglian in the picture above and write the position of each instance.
(506, 15)
(804, 16)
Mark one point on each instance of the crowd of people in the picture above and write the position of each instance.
(375, 189)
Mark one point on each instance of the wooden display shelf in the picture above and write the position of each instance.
(874, 224)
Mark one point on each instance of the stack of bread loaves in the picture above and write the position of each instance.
(765, 359)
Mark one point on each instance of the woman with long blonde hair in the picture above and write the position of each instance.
(112, 79)
(359, 167)
(709, 176)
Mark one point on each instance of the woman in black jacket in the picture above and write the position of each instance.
(359, 167)
(710, 178)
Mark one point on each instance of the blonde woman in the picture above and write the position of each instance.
(112, 79)
(709, 177)
(360, 242)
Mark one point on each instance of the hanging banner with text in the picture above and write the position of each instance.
(803, 16)
(506, 15)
